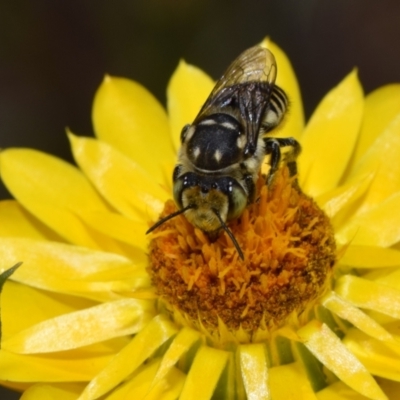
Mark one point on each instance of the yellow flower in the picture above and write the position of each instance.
(81, 318)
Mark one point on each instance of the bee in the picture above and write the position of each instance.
(223, 149)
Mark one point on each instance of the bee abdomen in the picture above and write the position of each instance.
(276, 110)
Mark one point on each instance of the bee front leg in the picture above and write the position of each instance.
(273, 147)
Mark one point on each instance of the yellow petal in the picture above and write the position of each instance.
(142, 346)
(379, 226)
(379, 358)
(253, 364)
(381, 107)
(383, 159)
(370, 257)
(329, 349)
(289, 382)
(329, 138)
(204, 374)
(359, 319)
(52, 190)
(370, 295)
(119, 228)
(33, 306)
(286, 79)
(82, 328)
(339, 391)
(123, 182)
(39, 368)
(79, 270)
(391, 388)
(17, 222)
(42, 391)
(128, 117)
(385, 276)
(16, 386)
(342, 198)
(139, 386)
(183, 341)
(187, 91)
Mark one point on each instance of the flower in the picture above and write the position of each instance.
(81, 317)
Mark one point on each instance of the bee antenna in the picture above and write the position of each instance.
(168, 217)
(230, 234)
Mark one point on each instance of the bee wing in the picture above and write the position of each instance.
(246, 85)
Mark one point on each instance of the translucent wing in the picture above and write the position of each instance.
(246, 88)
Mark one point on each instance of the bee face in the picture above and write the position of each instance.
(222, 150)
(209, 200)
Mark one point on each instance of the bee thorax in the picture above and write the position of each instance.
(217, 142)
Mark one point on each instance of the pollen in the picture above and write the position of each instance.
(289, 254)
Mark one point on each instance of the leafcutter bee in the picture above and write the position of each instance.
(222, 150)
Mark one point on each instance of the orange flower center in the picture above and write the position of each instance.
(289, 251)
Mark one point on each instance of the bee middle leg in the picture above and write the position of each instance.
(273, 147)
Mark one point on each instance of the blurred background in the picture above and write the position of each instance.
(54, 54)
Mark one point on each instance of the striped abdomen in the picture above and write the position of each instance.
(278, 104)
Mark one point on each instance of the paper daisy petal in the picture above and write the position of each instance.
(52, 190)
(370, 257)
(387, 276)
(379, 226)
(370, 295)
(203, 375)
(17, 222)
(253, 364)
(343, 197)
(286, 79)
(382, 106)
(359, 319)
(34, 307)
(120, 228)
(139, 386)
(383, 157)
(339, 391)
(391, 388)
(180, 345)
(379, 358)
(125, 184)
(79, 270)
(128, 117)
(41, 368)
(290, 382)
(82, 328)
(50, 392)
(329, 349)
(329, 138)
(187, 91)
(143, 345)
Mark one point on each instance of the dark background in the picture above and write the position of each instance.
(54, 54)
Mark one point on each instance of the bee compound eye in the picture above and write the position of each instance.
(237, 202)
(177, 172)
(184, 132)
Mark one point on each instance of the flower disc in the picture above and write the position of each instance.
(289, 250)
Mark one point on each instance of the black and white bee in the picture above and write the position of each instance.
(223, 149)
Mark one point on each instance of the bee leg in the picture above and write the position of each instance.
(291, 156)
(273, 148)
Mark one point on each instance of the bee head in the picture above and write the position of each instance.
(208, 202)
(211, 199)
